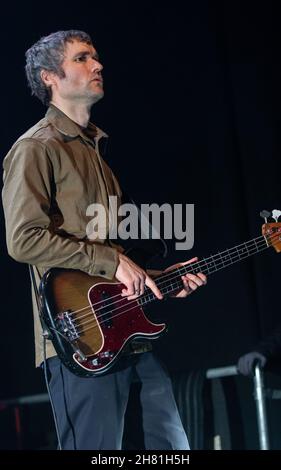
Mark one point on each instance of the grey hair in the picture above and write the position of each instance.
(48, 54)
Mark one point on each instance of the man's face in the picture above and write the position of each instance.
(82, 81)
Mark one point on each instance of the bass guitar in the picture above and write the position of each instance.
(90, 323)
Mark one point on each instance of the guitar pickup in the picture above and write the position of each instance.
(107, 310)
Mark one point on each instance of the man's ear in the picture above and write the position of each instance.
(48, 78)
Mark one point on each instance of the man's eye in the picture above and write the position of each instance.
(80, 59)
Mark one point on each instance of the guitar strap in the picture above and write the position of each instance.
(45, 332)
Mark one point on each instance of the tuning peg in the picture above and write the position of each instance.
(276, 214)
(265, 214)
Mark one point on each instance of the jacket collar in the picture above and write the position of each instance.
(66, 126)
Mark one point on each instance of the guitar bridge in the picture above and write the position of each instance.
(66, 326)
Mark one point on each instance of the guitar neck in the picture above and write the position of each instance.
(170, 282)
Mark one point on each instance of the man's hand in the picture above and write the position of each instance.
(246, 363)
(190, 281)
(134, 278)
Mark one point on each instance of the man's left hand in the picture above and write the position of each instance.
(190, 281)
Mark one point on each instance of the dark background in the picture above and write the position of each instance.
(192, 106)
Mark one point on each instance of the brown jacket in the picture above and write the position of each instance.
(51, 175)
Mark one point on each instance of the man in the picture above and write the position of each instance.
(51, 175)
(266, 353)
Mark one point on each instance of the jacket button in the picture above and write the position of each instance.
(102, 272)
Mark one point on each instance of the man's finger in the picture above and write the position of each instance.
(151, 284)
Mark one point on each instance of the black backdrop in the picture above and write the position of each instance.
(192, 106)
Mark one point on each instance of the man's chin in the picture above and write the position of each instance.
(97, 96)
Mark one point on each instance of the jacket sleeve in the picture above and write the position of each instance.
(270, 346)
(27, 191)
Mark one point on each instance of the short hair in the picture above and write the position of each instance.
(48, 54)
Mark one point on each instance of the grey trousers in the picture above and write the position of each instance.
(90, 411)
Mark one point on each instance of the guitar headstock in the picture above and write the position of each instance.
(272, 230)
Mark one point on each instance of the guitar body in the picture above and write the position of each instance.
(89, 322)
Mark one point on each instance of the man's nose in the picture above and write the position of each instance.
(96, 66)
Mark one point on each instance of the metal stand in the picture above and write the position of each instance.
(261, 408)
(259, 396)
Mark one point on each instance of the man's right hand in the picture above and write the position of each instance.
(246, 363)
(134, 279)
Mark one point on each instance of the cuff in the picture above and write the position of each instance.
(105, 262)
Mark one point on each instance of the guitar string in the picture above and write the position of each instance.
(187, 268)
(165, 276)
(177, 284)
(97, 324)
(197, 265)
(135, 301)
